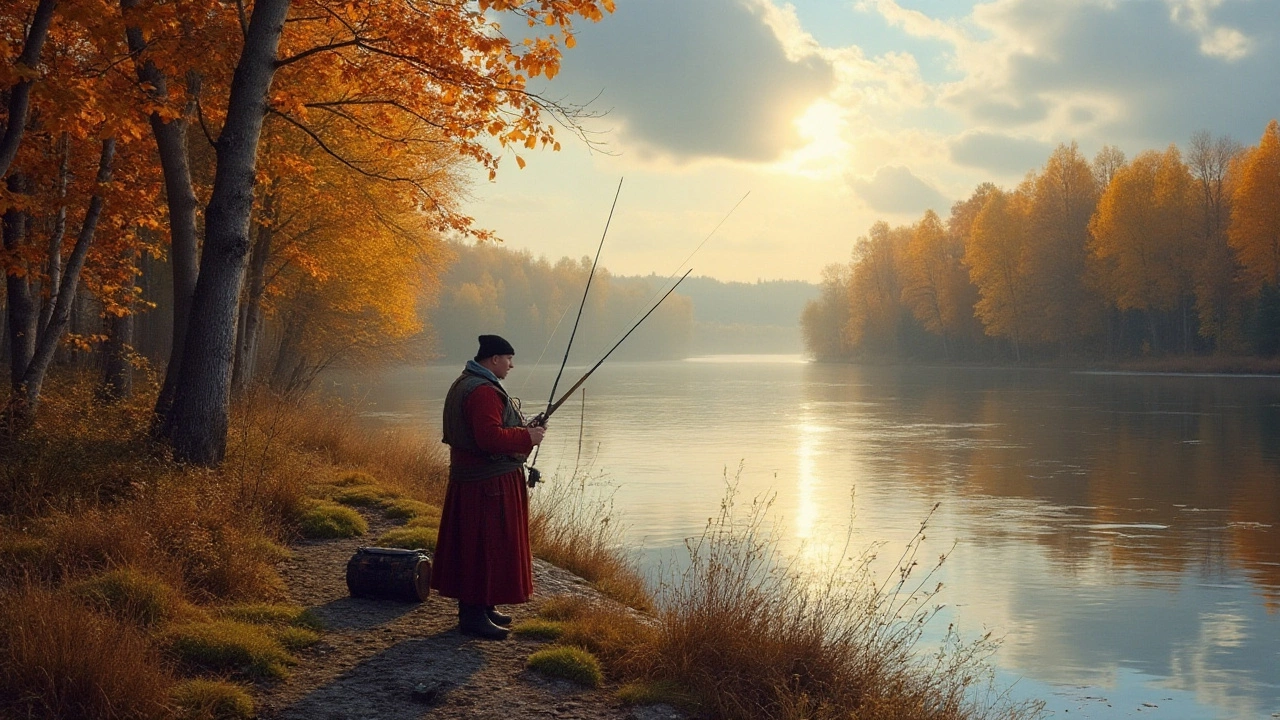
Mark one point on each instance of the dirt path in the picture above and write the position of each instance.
(383, 660)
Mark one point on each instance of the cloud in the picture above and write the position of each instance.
(1130, 72)
(686, 80)
(895, 189)
(1004, 154)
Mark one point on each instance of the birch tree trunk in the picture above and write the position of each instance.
(175, 165)
(196, 423)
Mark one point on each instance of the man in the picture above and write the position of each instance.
(482, 552)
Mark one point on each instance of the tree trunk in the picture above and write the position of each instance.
(22, 312)
(175, 165)
(20, 94)
(117, 367)
(54, 263)
(250, 328)
(289, 359)
(196, 423)
(32, 380)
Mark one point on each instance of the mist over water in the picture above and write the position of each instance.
(1122, 532)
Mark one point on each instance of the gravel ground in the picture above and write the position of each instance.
(382, 660)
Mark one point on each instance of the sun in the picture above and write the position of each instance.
(825, 151)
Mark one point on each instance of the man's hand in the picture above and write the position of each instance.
(536, 433)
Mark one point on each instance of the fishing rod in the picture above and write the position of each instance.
(585, 290)
(534, 475)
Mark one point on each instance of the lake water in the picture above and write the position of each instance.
(1120, 531)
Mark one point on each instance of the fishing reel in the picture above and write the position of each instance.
(539, 420)
(534, 476)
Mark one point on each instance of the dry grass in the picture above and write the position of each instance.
(752, 637)
(133, 595)
(61, 660)
(85, 501)
(572, 526)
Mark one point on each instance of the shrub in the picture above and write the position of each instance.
(539, 629)
(409, 538)
(132, 595)
(570, 663)
(325, 520)
(573, 527)
(61, 660)
(228, 646)
(202, 699)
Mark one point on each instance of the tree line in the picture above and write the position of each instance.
(294, 164)
(533, 303)
(1170, 253)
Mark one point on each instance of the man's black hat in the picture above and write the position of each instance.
(491, 345)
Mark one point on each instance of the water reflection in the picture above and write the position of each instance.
(1121, 531)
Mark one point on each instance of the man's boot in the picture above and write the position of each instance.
(474, 621)
(496, 617)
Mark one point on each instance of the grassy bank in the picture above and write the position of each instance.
(136, 588)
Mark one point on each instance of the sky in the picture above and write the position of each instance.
(828, 115)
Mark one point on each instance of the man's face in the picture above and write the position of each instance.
(500, 365)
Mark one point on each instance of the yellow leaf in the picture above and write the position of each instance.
(520, 162)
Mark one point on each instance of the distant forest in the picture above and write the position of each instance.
(1165, 255)
(489, 288)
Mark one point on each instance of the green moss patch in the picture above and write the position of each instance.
(296, 638)
(202, 699)
(409, 538)
(571, 663)
(539, 629)
(228, 646)
(132, 595)
(406, 508)
(324, 520)
(362, 496)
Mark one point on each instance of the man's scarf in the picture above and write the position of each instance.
(477, 369)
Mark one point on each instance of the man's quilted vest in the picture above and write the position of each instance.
(457, 431)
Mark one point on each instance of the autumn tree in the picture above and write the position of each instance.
(876, 309)
(1063, 196)
(936, 284)
(823, 320)
(1255, 234)
(1147, 237)
(1218, 292)
(995, 254)
(78, 188)
(445, 64)
(1255, 215)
